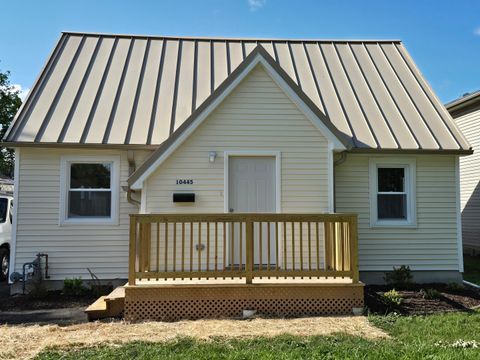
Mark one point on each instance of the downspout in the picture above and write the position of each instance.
(341, 160)
(131, 170)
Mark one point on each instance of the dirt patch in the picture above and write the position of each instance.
(52, 300)
(21, 342)
(415, 303)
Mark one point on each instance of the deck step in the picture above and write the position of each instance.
(111, 305)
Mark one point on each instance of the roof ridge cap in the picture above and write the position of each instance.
(220, 38)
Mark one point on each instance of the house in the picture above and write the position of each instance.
(266, 174)
(466, 113)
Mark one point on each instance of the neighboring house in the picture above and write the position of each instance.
(466, 113)
(217, 131)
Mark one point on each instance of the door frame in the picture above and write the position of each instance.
(252, 153)
(226, 180)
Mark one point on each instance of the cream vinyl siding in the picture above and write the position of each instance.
(470, 181)
(432, 244)
(71, 248)
(256, 117)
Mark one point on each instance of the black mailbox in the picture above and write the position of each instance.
(183, 197)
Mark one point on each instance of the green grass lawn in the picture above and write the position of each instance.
(414, 337)
(472, 269)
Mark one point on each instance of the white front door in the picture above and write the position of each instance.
(252, 189)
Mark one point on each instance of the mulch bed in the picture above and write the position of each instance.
(414, 302)
(52, 300)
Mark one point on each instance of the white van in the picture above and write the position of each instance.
(6, 217)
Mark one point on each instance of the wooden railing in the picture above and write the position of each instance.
(246, 246)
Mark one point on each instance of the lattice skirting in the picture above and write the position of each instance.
(172, 303)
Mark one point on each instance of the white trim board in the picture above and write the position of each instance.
(259, 59)
(410, 188)
(331, 178)
(16, 188)
(114, 188)
(459, 215)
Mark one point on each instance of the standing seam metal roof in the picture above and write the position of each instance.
(137, 90)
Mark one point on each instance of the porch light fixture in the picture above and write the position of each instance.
(211, 156)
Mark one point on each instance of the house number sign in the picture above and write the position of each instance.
(184, 181)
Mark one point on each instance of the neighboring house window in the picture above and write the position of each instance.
(89, 190)
(392, 192)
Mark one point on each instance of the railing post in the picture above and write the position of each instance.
(132, 250)
(249, 251)
(354, 249)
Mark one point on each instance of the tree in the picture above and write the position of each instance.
(9, 104)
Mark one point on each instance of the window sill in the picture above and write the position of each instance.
(89, 221)
(393, 225)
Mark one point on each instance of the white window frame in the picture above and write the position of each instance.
(410, 190)
(65, 163)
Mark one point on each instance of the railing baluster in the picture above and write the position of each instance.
(276, 247)
(158, 247)
(183, 246)
(348, 247)
(334, 246)
(174, 246)
(216, 246)
(148, 245)
(345, 246)
(260, 243)
(268, 246)
(301, 245)
(232, 246)
(224, 247)
(340, 244)
(249, 252)
(240, 247)
(309, 245)
(285, 246)
(140, 247)
(191, 248)
(318, 245)
(166, 247)
(199, 245)
(208, 246)
(354, 249)
(132, 250)
(293, 245)
(328, 245)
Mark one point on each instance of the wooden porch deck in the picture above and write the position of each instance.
(216, 265)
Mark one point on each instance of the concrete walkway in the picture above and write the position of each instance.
(66, 316)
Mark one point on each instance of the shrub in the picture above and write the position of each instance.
(455, 287)
(430, 294)
(74, 287)
(400, 278)
(37, 289)
(392, 298)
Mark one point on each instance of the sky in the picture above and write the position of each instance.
(442, 36)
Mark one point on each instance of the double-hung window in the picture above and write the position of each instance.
(89, 190)
(392, 192)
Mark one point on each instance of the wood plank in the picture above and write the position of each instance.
(132, 250)
(239, 217)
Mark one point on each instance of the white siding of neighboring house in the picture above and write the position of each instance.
(71, 249)
(257, 115)
(432, 245)
(469, 124)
